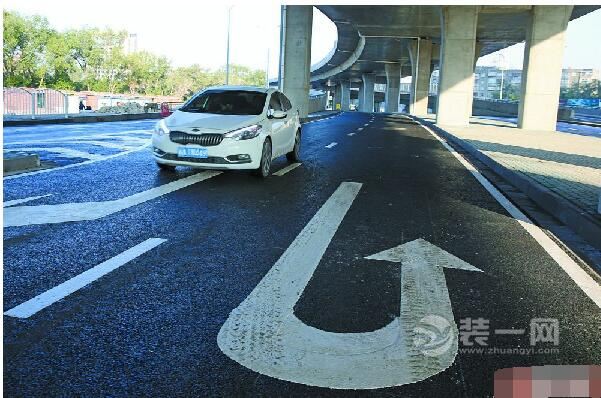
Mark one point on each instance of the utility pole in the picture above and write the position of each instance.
(267, 70)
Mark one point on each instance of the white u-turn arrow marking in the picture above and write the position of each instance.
(264, 335)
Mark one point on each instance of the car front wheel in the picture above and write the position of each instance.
(265, 165)
(165, 167)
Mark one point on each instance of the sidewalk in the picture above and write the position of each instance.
(559, 171)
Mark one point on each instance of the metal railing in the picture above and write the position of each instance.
(20, 101)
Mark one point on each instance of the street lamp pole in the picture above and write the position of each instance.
(501, 66)
(227, 60)
(267, 70)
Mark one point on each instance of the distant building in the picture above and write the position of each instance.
(574, 77)
(131, 43)
(488, 81)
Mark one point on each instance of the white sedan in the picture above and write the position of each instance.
(229, 127)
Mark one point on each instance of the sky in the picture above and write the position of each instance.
(195, 32)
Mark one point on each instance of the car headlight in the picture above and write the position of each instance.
(245, 133)
(161, 128)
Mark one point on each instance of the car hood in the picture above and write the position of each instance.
(209, 121)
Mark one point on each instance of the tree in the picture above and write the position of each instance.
(25, 41)
(590, 89)
(36, 55)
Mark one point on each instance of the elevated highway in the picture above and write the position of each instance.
(385, 43)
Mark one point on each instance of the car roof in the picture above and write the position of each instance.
(242, 88)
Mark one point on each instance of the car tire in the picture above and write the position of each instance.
(294, 155)
(265, 165)
(166, 167)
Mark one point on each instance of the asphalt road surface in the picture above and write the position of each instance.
(118, 278)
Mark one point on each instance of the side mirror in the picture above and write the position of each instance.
(273, 114)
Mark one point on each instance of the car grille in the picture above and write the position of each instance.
(199, 139)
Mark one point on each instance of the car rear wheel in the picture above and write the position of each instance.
(165, 167)
(294, 155)
(265, 165)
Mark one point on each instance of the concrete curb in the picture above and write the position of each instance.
(21, 162)
(92, 118)
(579, 221)
(582, 123)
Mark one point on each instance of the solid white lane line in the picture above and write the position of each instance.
(351, 134)
(76, 164)
(588, 285)
(332, 145)
(9, 203)
(61, 291)
(17, 216)
(286, 169)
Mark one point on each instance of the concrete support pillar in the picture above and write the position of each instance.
(420, 54)
(543, 58)
(477, 51)
(360, 96)
(393, 86)
(367, 100)
(337, 97)
(295, 55)
(345, 92)
(456, 86)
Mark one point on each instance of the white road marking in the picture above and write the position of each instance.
(9, 203)
(263, 333)
(118, 135)
(87, 162)
(123, 145)
(332, 145)
(588, 285)
(49, 297)
(17, 216)
(66, 152)
(351, 134)
(286, 169)
(360, 128)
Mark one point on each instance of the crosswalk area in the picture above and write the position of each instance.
(61, 151)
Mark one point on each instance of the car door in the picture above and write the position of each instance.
(278, 132)
(290, 125)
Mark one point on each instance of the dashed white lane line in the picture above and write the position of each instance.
(49, 297)
(9, 203)
(366, 124)
(351, 134)
(360, 128)
(286, 169)
(586, 283)
(87, 162)
(332, 145)
(18, 216)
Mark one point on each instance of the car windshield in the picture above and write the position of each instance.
(227, 102)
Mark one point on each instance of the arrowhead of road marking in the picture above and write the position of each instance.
(420, 251)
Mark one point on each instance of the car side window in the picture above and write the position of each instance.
(274, 102)
(286, 105)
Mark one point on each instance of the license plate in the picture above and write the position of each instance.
(199, 153)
